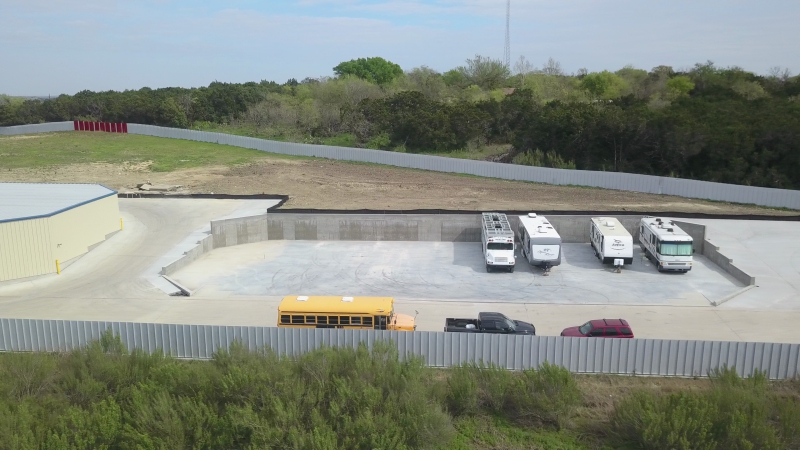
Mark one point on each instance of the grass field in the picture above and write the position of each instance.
(55, 149)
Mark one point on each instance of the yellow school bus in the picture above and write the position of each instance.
(354, 313)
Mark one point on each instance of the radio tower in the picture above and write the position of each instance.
(507, 55)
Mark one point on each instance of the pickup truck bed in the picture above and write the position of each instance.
(489, 322)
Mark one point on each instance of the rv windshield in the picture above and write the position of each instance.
(499, 246)
(675, 248)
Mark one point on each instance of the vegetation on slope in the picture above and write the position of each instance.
(708, 123)
(104, 398)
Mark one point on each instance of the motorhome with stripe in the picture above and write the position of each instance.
(669, 247)
(541, 243)
(610, 240)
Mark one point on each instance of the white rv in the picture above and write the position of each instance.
(541, 244)
(611, 242)
(669, 247)
(497, 239)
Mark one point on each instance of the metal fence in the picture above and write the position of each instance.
(609, 180)
(37, 128)
(438, 349)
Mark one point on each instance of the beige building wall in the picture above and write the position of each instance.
(74, 231)
(25, 249)
(31, 247)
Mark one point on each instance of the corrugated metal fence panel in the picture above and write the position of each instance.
(49, 127)
(608, 180)
(437, 349)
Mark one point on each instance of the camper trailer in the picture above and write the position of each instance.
(541, 244)
(669, 247)
(611, 242)
(497, 239)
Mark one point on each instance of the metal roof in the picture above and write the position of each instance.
(337, 305)
(22, 201)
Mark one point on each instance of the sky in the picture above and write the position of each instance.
(50, 47)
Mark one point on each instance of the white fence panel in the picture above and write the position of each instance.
(438, 349)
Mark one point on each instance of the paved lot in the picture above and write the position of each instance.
(113, 283)
(444, 271)
(768, 250)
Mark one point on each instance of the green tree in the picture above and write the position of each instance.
(171, 115)
(604, 85)
(376, 70)
(485, 72)
(679, 86)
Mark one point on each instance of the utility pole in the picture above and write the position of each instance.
(507, 55)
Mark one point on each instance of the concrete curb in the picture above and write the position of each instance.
(181, 287)
(730, 296)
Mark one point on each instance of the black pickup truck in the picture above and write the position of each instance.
(489, 322)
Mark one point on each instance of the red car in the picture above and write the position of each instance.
(609, 328)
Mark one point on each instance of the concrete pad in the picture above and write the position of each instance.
(767, 250)
(445, 271)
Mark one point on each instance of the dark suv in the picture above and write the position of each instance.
(610, 328)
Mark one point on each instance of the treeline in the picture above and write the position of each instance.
(708, 123)
(104, 398)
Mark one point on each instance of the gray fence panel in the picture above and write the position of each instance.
(49, 127)
(608, 180)
(437, 349)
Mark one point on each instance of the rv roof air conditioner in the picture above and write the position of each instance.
(532, 215)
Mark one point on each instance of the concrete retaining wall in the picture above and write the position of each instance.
(243, 230)
(412, 227)
(204, 246)
(712, 252)
(697, 232)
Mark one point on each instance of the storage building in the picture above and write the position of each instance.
(42, 223)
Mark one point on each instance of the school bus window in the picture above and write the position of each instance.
(333, 320)
(285, 319)
(344, 320)
(355, 320)
(322, 320)
(298, 319)
(310, 319)
(367, 322)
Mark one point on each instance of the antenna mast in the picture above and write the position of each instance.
(507, 55)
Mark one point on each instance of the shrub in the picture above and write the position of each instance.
(734, 414)
(549, 394)
(678, 421)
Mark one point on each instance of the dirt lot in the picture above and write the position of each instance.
(317, 183)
